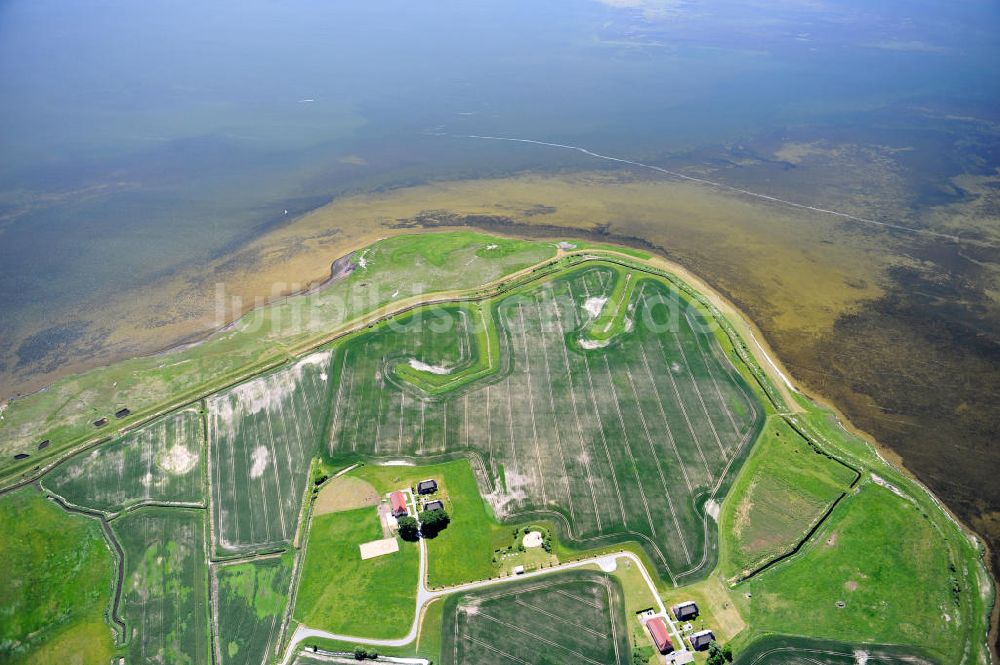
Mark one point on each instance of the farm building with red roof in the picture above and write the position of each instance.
(658, 631)
(398, 502)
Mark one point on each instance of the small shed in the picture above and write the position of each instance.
(427, 487)
(657, 628)
(434, 505)
(100, 422)
(701, 639)
(686, 611)
(121, 413)
(398, 503)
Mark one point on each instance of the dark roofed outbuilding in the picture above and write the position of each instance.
(685, 611)
(121, 413)
(427, 487)
(434, 505)
(44, 444)
(100, 422)
(701, 639)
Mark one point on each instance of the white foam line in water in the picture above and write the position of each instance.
(718, 185)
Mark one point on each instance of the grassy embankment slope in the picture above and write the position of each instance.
(56, 585)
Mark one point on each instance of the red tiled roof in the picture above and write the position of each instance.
(398, 502)
(658, 630)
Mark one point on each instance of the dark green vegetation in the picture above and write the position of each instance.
(623, 443)
(162, 462)
(252, 598)
(56, 584)
(166, 585)
(341, 593)
(785, 650)
(785, 488)
(570, 618)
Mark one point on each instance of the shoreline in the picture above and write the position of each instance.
(772, 363)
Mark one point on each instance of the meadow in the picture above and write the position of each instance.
(166, 585)
(341, 593)
(786, 487)
(251, 598)
(56, 585)
(575, 617)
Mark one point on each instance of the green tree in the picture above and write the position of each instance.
(409, 528)
(717, 655)
(432, 522)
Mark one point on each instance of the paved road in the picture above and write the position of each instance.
(607, 563)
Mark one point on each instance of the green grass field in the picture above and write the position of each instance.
(572, 618)
(56, 584)
(166, 585)
(784, 489)
(624, 444)
(341, 593)
(252, 598)
(877, 556)
(785, 650)
(160, 462)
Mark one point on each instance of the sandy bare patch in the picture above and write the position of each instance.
(258, 461)
(378, 548)
(433, 369)
(832, 540)
(532, 539)
(712, 508)
(590, 344)
(345, 493)
(851, 585)
(178, 460)
(594, 305)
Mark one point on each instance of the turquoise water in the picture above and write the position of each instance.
(140, 139)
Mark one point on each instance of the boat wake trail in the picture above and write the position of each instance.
(722, 186)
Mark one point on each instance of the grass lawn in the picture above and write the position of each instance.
(56, 584)
(464, 551)
(783, 490)
(343, 594)
(880, 557)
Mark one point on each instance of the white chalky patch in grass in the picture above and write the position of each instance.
(532, 539)
(264, 393)
(594, 305)
(397, 462)
(593, 344)
(861, 657)
(178, 460)
(712, 508)
(433, 369)
(259, 460)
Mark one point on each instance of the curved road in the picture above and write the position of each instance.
(608, 563)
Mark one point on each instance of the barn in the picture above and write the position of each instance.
(434, 505)
(686, 611)
(658, 631)
(701, 639)
(427, 487)
(398, 503)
